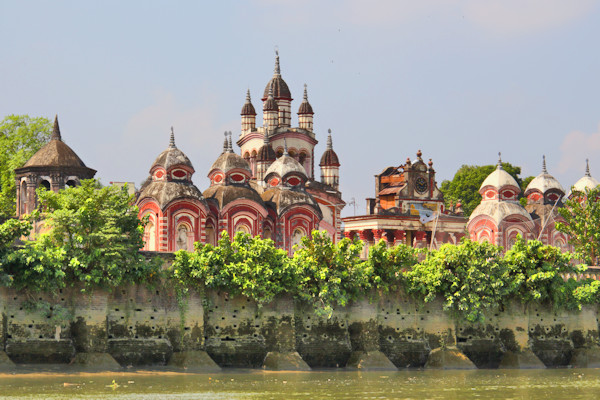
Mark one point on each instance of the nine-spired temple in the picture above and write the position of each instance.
(270, 189)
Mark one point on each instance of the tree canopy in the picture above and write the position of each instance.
(93, 237)
(582, 223)
(20, 137)
(464, 187)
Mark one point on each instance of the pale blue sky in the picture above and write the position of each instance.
(459, 79)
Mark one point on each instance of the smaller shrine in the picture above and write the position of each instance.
(408, 208)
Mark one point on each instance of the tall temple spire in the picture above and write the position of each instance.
(56, 130)
(544, 170)
(587, 167)
(230, 144)
(329, 142)
(305, 97)
(499, 161)
(172, 140)
(225, 143)
(285, 149)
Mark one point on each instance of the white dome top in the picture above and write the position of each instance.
(586, 182)
(544, 182)
(499, 210)
(500, 178)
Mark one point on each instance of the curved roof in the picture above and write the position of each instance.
(586, 182)
(225, 194)
(499, 210)
(499, 178)
(164, 192)
(329, 158)
(55, 153)
(248, 108)
(282, 199)
(544, 182)
(285, 165)
(172, 157)
(280, 88)
(305, 107)
(266, 153)
(228, 161)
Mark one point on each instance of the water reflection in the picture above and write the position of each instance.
(238, 384)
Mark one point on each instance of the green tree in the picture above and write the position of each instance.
(20, 137)
(249, 266)
(582, 223)
(464, 187)
(389, 265)
(94, 236)
(330, 274)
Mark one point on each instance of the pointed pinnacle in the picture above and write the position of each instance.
(248, 100)
(285, 149)
(277, 68)
(225, 143)
(544, 170)
(56, 130)
(230, 145)
(587, 167)
(305, 94)
(329, 141)
(499, 160)
(172, 139)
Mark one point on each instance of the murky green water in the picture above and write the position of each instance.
(480, 384)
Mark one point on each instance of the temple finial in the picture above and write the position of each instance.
(230, 144)
(225, 143)
(271, 90)
(56, 130)
(248, 100)
(172, 139)
(499, 160)
(277, 68)
(329, 141)
(305, 93)
(544, 170)
(285, 149)
(587, 167)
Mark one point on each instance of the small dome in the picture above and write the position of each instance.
(266, 152)
(229, 161)
(305, 107)
(277, 84)
(226, 194)
(270, 104)
(172, 157)
(282, 200)
(586, 182)
(499, 178)
(329, 158)
(285, 165)
(499, 210)
(55, 153)
(164, 192)
(544, 182)
(248, 108)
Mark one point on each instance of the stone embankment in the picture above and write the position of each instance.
(137, 326)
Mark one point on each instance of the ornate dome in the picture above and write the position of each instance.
(277, 84)
(164, 192)
(248, 108)
(544, 182)
(266, 152)
(329, 158)
(55, 153)
(172, 157)
(270, 104)
(305, 107)
(228, 160)
(282, 200)
(499, 179)
(499, 210)
(224, 195)
(285, 165)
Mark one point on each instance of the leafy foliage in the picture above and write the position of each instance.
(330, 274)
(20, 137)
(582, 223)
(464, 187)
(537, 271)
(470, 277)
(249, 266)
(93, 237)
(389, 265)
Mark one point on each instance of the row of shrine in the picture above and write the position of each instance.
(270, 190)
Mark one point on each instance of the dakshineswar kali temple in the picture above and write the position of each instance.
(270, 190)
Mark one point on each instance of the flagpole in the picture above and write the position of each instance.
(437, 215)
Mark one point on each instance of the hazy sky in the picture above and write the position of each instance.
(459, 79)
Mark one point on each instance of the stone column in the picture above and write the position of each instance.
(377, 235)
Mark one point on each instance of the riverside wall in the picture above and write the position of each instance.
(137, 326)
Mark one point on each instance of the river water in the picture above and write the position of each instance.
(546, 384)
